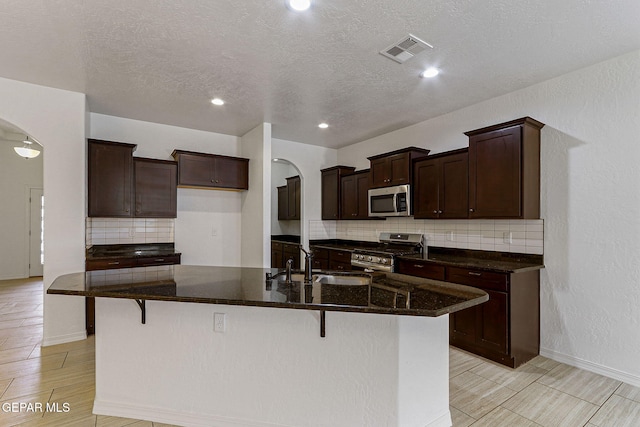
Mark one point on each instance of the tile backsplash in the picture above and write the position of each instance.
(518, 236)
(111, 231)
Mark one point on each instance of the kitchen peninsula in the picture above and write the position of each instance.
(383, 359)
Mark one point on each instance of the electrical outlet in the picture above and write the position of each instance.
(219, 322)
(214, 232)
(449, 236)
(507, 237)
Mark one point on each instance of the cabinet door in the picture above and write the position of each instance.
(399, 169)
(283, 203)
(362, 192)
(426, 189)
(493, 322)
(195, 170)
(330, 194)
(155, 188)
(276, 255)
(380, 172)
(495, 174)
(349, 197)
(229, 172)
(454, 186)
(291, 251)
(293, 196)
(463, 326)
(110, 179)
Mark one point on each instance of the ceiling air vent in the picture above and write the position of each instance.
(405, 49)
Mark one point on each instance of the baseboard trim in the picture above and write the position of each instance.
(62, 339)
(631, 379)
(442, 421)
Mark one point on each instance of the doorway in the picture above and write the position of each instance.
(36, 232)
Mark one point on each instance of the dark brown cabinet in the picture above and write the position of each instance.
(289, 199)
(110, 179)
(211, 171)
(505, 329)
(504, 170)
(354, 195)
(441, 186)
(276, 255)
(394, 168)
(155, 188)
(283, 203)
(331, 259)
(281, 252)
(331, 191)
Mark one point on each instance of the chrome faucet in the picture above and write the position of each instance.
(308, 265)
(288, 272)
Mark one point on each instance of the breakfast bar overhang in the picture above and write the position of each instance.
(383, 362)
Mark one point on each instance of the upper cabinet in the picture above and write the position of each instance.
(123, 186)
(441, 186)
(354, 190)
(504, 170)
(394, 168)
(110, 179)
(155, 188)
(331, 190)
(289, 199)
(211, 171)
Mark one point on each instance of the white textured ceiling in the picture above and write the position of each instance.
(162, 60)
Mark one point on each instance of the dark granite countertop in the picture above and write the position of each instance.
(343, 245)
(501, 262)
(286, 238)
(387, 293)
(96, 252)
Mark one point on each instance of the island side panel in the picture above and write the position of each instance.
(270, 367)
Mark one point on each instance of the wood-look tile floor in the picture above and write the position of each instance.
(482, 394)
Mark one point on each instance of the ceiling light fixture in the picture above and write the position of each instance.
(323, 125)
(430, 72)
(217, 101)
(27, 151)
(298, 5)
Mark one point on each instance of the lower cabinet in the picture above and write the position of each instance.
(505, 329)
(281, 252)
(331, 259)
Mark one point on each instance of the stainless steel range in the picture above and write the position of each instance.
(382, 257)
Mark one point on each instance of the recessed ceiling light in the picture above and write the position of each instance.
(430, 72)
(217, 101)
(298, 5)
(323, 125)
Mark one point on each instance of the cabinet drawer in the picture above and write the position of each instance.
(320, 264)
(319, 253)
(158, 260)
(478, 278)
(108, 264)
(340, 256)
(340, 266)
(420, 269)
(276, 246)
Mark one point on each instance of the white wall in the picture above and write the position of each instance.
(308, 159)
(280, 171)
(56, 118)
(590, 202)
(208, 224)
(256, 203)
(17, 175)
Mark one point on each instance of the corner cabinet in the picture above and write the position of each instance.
(110, 179)
(155, 188)
(504, 170)
(354, 195)
(212, 171)
(394, 168)
(441, 186)
(331, 190)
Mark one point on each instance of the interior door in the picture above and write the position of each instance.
(36, 236)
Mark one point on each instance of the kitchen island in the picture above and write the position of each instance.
(263, 361)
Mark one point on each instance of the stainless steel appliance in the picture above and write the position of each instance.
(390, 201)
(382, 257)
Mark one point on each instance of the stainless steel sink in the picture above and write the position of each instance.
(330, 279)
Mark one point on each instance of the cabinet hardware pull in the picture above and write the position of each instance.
(475, 274)
(471, 210)
(418, 266)
(435, 212)
(159, 260)
(439, 212)
(114, 263)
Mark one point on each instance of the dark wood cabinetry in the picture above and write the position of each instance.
(155, 188)
(394, 168)
(331, 190)
(331, 259)
(289, 199)
(283, 203)
(441, 186)
(281, 252)
(211, 171)
(110, 179)
(505, 329)
(504, 170)
(354, 195)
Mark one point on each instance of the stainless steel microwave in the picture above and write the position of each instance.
(390, 201)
